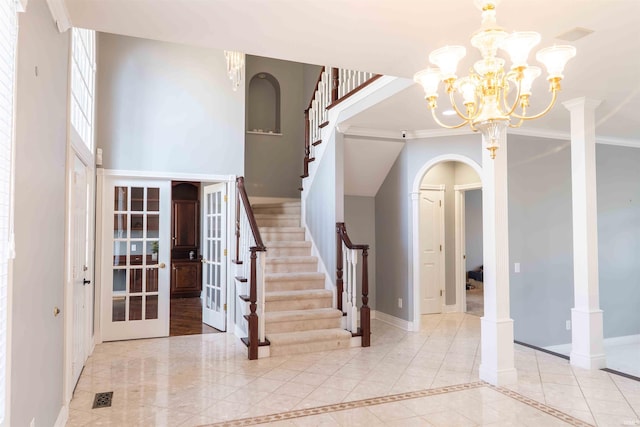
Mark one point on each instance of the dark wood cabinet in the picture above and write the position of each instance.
(186, 278)
(186, 226)
(186, 267)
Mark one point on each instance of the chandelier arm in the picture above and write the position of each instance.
(542, 113)
(515, 103)
(455, 108)
(517, 125)
(433, 113)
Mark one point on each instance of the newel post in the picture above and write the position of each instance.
(253, 317)
(339, 283)
(365, 311)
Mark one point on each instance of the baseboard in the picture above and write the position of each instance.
(623, 340)
(238, 332)
(453, 308)
(405, 325)
(63, 416)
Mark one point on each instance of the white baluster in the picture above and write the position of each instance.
(354, 290)
(345, 281)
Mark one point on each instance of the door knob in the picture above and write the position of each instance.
(85, 282)
(203, 260)
(56, 311)
(162, 265)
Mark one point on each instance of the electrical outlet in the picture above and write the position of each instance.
(399, 302)
(516, 267)
(568, 325)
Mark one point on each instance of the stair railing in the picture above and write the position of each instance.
(333, 86)
(346, 265)
(249, 246)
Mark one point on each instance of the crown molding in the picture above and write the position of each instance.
(443, 133)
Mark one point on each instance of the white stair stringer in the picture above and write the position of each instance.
(299, 314)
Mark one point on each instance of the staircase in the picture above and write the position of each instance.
(299, 313)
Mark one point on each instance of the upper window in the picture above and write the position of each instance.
(83, 76)
(8, 32)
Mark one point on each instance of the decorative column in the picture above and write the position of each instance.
(497, 362)
(587, 349)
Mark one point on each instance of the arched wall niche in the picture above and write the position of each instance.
(264, 104)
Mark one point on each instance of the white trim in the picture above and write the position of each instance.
(238, 332)
(414, 237)
(433, 187)
(175, 176)
(451, 308)
(465, 187)
(460, 252)
(60, 14)
(441, 133)
(405, 325)
(63, 417)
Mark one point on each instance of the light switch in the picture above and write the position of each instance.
(133, 247)
(516, 267)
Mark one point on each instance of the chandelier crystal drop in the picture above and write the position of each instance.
(485, 92)
(235, 67)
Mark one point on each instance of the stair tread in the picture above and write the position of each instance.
(276, 216)
(288, 244)
(287, 338)
(275, 205)
(300, 315)
(298, 294)
(280, 229)
(293, 276)
(291, 259)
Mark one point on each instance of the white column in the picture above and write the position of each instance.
(587, 349)
(497, 365)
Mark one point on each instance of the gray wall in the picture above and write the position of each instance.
(394, 270)
(473, 228)
(360, 220)
(40, 154)
(273, 163)
(540, 239)
(618, 186)
(167, 107)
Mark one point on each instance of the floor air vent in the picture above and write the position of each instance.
(102, 400)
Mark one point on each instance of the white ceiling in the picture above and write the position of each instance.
(394, 37)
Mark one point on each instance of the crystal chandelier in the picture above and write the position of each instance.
(235, 67)
(485, 91)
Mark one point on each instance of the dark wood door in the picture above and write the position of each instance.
(186, 278)
(186, 226)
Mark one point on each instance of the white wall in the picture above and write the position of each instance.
(40, 155)
(167, 107)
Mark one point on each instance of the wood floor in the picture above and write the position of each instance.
(186, 318)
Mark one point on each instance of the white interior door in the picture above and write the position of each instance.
(135, 278)
(79, 267)
(214, 263)
(431, 251)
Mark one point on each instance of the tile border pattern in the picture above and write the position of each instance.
(396, 398)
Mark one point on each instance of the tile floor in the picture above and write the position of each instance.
(206, 379)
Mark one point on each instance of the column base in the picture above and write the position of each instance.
(497, 366)
(500, 377)
(587, 347)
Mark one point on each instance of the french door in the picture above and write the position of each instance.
(135, 254)
(214, 252)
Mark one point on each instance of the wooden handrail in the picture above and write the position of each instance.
(316, 87)
(365, 311)
(354, 91)
(242, 192)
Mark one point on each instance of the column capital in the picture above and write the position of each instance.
(584, 102)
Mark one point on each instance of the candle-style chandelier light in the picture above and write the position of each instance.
(485, 91)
